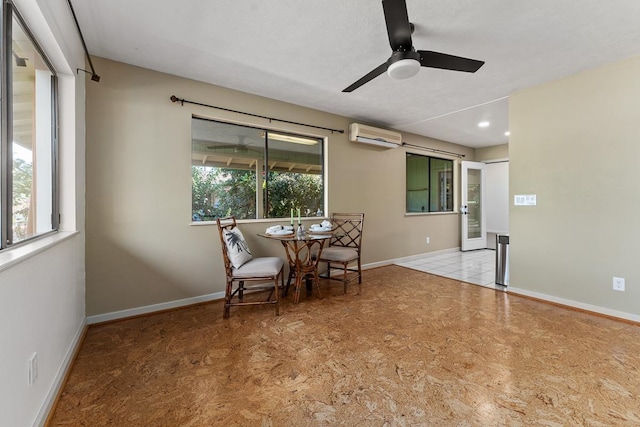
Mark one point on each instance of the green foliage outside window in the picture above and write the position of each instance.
(219, 192)
(22, 186)
(294, 190)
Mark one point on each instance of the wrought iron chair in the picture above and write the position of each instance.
(261, 269)
(345, 249)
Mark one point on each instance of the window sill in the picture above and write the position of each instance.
(13, 256)
(264, 220)
(430, 213)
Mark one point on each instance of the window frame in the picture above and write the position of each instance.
(8, 12)
(454, 183)
(262, 200)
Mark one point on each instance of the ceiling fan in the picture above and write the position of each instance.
(405, 61)
(240, 147)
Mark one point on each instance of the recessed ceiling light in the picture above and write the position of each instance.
(507, 133)
(483, 124)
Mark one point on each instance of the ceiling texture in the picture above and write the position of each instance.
(307, 52)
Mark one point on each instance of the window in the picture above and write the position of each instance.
(28, 138)
(252, 173)
(429, 184)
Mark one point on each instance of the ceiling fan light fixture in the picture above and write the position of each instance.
(403, 69)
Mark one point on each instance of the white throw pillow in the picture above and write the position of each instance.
(237, 248)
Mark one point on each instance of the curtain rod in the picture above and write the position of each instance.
(94, 76)
(433, 150)
(271, 119)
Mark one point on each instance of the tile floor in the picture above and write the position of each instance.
(477, 267)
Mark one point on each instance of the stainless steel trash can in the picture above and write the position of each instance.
(502, 259)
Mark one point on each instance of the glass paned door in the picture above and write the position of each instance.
(474, 233)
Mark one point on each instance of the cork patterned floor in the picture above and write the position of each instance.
(413, 350)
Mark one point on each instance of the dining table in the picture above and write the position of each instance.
(303, 254)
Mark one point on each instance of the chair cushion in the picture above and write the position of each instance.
(259, 267)
(237, 248)
(339, 254)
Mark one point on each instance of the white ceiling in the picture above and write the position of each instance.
(306, 52)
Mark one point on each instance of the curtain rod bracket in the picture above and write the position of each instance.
(94, 76)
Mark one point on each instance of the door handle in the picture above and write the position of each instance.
(464, 210)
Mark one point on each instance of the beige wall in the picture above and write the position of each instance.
(574, 143)
(494, 152)
(141, 248)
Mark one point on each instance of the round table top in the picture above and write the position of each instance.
(293, 236)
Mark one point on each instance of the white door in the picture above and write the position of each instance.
(474, 232)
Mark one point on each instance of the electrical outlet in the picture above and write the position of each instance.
(618, 284)
(427, 240)
(33, 369)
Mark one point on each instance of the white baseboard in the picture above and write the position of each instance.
(115, 315)
(57, 384)
(220, 295)
(575, 304)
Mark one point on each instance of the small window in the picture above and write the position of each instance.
(254, 173)
(429, 184)
(29, 139)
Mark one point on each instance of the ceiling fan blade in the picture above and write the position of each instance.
(398, 27)
(372, 75)
(448, 62)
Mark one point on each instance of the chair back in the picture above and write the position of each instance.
(227, 223)
(347, 230)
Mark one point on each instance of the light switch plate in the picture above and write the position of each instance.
(525, 200)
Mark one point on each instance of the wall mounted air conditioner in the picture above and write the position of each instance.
(374, 136)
